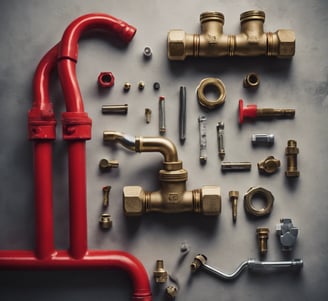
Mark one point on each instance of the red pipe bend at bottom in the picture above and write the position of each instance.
(92, 260)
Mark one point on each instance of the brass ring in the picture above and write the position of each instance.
(251, 80)
(259, 191)
(215, 82)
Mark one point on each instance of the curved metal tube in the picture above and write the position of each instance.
(200, 262)
(145, 144)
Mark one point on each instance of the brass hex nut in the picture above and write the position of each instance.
(133, 197)
(211, 200)
(176, 41)
(286, 45)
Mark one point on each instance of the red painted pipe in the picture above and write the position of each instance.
(92, 260)
(76, 129)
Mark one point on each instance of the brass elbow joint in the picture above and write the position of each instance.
(172, 197)
(212, 42)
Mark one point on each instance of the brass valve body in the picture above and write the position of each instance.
(172, 197)
(212, 42)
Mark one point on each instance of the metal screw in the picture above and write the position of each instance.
(233, 197)
(263, 236)
(291, 154)
(105, 221)
(141, 85)
(202, 139)
(126, 87)
(106, 190)
(160, 275)
(105, 164)
(148, 115)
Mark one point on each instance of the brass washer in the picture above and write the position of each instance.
(215, 82)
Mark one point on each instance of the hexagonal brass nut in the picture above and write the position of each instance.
(211, 200)
(133, 199)
(286, 40)
(176, 41)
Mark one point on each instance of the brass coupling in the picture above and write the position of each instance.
(212, 42)
(172, 197)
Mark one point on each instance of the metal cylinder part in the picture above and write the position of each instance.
(262, 139)
(162, 123)
(291, 155)
(114, 109)
(251, 80)
(182, 114)
(236, 166)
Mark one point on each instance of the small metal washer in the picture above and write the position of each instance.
(259, 191)
(215, 82)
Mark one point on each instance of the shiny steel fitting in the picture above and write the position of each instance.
(262, 139)
(105, 221)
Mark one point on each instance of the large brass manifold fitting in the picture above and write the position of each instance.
(212, 42)
(172, 197)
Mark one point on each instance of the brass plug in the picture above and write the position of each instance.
(263, 236)
(105, 221)
(291, 154)
(160, 274)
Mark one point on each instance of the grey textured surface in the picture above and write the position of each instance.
(30, 28)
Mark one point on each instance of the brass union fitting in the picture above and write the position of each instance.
(172, 197)
(291, 154)
(212, 42)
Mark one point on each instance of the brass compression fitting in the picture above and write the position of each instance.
(212, 42)
(172, 197)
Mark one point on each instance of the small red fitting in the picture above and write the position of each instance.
(248, 112)
(106, 80)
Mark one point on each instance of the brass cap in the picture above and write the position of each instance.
(176, 42)
(133, 197)
(286, 46)
(211, 200)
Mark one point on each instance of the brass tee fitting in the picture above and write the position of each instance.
(172, 196)
(212, 42)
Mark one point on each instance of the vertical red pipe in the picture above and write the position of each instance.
(41, 125)
(43, 199)
(77, 196)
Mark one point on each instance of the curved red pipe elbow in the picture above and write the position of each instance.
(68, 51)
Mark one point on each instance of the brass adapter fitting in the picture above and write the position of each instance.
(172, 196)
(212, 42)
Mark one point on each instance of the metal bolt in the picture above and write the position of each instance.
(106, 190)
(162, 125)
(263, 236)
(233, 197)
(148, 115)
(105, 164)
(220, 132)
(160, 275)
(171, 291)
(105, 221)
(202, 139)
(126, 87)
(291, 154)
(141, 85)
